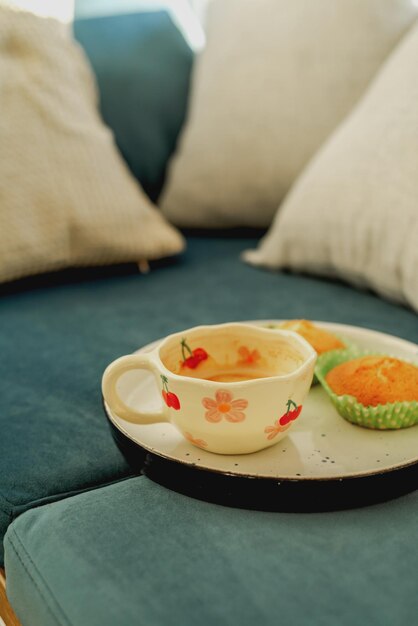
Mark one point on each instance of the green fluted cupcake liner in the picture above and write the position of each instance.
(389, 416)
(349, 346)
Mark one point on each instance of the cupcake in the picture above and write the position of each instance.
(321, 340)
(375, 391)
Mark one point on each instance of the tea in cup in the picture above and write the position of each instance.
(229, 388)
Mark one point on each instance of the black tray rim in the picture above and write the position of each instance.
(264, 493)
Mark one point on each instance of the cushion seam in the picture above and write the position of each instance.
(9, 512)
(32, 504)
(13, 533)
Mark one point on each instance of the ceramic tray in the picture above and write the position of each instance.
(324, 463)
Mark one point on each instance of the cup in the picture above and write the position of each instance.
(230, 388)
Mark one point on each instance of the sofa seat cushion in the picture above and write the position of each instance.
(58, 335)
(137, 553)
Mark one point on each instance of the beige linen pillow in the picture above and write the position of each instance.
(354, 211)
(66, 196)
(276, 77)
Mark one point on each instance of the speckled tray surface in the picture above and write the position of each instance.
(321, 450)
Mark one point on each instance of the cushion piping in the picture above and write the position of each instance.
(61, 619)
(9, 511)
(32, 504)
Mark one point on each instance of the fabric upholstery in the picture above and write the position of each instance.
(57, 335)
(275, 79)
(142, 65)
(137, 553)
(353, 213)
(66, 195)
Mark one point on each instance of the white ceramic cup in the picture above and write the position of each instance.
(230, 388)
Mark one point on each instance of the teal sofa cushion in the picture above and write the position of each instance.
(142, 65)
(137, 553)
(58, 333)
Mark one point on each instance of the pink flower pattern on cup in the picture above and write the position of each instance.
(223, 406)
(272, 431)
(201, 443)
(248, 356)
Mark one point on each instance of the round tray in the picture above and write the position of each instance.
(325, 463)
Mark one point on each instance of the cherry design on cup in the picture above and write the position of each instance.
(195, 357)
(289, 416)
(283, 423)
(169, 397)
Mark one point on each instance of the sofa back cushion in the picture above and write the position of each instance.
(142, 64)
(354, 211)
(66, 196)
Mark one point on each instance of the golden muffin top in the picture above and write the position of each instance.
(374, 380)
(321, 340)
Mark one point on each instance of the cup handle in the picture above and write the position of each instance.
(109, 382)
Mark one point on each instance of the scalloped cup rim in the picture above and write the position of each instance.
(311, 355)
